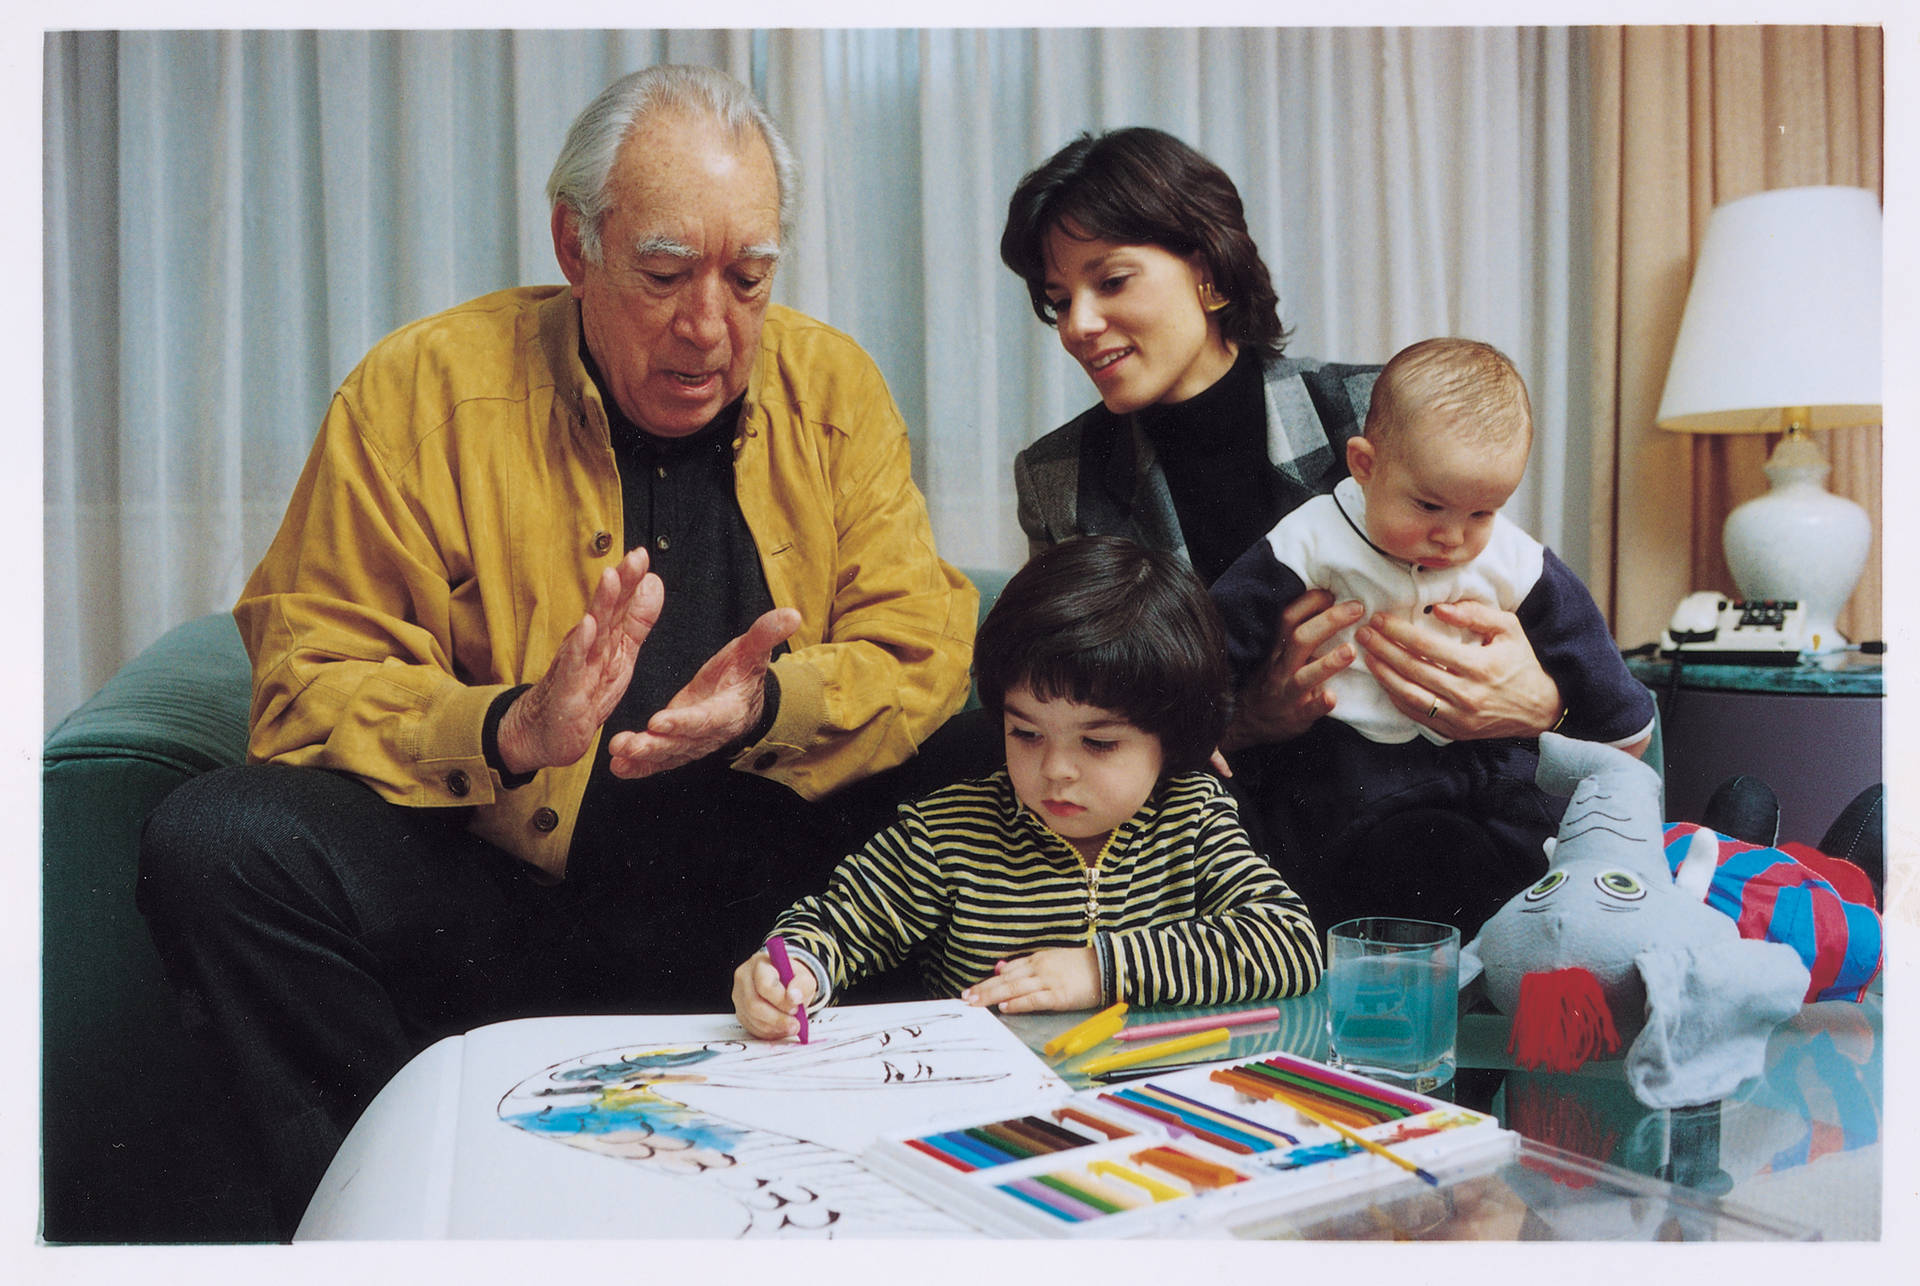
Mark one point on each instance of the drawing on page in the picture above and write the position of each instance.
(772, 1125)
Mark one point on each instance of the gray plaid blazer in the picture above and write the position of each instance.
(1097, 475)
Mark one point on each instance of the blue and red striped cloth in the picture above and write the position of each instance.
(1819, 905)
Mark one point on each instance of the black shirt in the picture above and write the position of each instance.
(1213, 450)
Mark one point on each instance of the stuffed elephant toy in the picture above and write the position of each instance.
(1613, 947)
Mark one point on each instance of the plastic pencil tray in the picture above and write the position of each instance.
(1181, 1154)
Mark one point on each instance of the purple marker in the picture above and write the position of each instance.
(777, 952)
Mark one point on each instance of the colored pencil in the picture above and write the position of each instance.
(997, 1135)
(1376, 1106)
(1168, 1116)
(1336, 1078)
(1178, 1045)
(1061, 1184)
(956, 1142)
(1051, 1200)
(1120, 1194)
(1202, 1174)
(1063, 1138)
(1353, 1136)
(1019, 1131)
(1181, 1026)
(1147, 1183)
(1108, 1128)
(921, 1145)
(1202, 1122)
(1158, 1069)
(1259, 1087)
(1083, 1036)
(1238, 1123)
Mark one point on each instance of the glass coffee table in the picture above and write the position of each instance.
(1795, 1154)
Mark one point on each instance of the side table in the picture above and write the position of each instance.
(1811, 731)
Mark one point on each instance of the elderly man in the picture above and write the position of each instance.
(584, 595)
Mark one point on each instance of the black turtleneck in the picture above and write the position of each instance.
(1213, 449)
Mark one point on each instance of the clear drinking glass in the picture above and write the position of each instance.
(1393, 995)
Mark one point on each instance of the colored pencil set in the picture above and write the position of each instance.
(1131, 1159)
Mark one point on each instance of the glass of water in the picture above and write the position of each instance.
(1393, 995)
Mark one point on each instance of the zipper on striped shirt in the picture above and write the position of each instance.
(1093, 899)
(1093, 886)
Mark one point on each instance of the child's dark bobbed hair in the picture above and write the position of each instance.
(1107, 622)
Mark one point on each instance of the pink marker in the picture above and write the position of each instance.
(777, 952)
(1180, 1026)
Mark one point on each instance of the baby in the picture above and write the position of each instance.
(1417, 523)
(1102, 863)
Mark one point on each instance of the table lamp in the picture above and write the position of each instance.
(1781, 334)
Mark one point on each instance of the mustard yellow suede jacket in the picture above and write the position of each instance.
(461, 500)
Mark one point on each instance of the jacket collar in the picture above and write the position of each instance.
(560, 345)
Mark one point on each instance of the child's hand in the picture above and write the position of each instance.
(1056, 978)
(763, 1006)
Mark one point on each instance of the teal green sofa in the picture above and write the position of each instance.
(136, 1145)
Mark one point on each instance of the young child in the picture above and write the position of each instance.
(1102, 863)
(1418, 522)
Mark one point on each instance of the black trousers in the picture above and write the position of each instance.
(319, 936)
(1440, 833)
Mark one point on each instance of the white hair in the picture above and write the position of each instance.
(581, 175)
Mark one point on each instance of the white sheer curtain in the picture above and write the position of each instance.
(232, 219)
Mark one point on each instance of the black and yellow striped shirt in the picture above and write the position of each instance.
(1190, 914)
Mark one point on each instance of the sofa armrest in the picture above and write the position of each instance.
(132, 1140)
(181, 704)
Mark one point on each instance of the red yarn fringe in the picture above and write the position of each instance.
(1561, 1021)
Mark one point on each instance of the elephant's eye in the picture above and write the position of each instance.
(1621, 885)
(1551, 881)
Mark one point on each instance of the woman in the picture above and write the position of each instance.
(1134, 247)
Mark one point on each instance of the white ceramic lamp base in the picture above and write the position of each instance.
(1800, 541)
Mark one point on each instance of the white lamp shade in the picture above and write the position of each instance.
(1784, 311)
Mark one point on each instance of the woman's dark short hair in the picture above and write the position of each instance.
(1141, 186)
(1107, 622)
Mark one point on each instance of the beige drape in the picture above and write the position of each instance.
(1686, 118)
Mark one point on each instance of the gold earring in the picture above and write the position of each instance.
(1211, 299)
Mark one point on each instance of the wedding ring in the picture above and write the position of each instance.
(1436, 708)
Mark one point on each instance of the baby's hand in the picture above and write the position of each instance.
(764, 1007)
(1056, 978)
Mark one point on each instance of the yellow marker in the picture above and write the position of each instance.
(1178, 1045)
(1157, 1190)
(1084, 1036)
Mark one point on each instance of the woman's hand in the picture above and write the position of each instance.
(1464, 690)
(765, 1007)
(1290, 693)
(1053, 978)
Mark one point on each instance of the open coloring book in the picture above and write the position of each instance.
(658, 1126)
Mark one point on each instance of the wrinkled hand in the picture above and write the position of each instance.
(764, 1007)
(719, 705)
(1289, 693)
(1053, 978)
(554, 722)
(1465, 690)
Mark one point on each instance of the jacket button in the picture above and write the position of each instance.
(602, 541)
(545, 819)
(767, 760)
(458, 782)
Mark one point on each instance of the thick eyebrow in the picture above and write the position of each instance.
(669, 247)
(657, 244)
